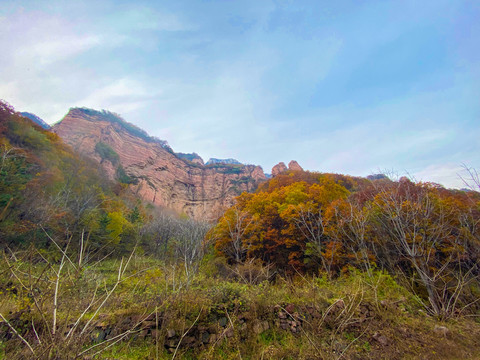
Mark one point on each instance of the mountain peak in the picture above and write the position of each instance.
(192, 157)
(293, 165)
(281, 167)
(230, 161)
(113, 118)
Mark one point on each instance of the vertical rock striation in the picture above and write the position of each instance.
(158, 174)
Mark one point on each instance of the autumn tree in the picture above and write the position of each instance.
(283, 223)
(421, 227)
(232, 233)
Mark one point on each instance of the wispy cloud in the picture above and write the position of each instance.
(349, 87)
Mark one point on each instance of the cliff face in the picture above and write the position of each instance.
(160, 176)
(294, 166)
(281, 167)
(212, 161)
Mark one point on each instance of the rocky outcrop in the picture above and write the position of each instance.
(279, 168)
(293, 165)
(158, 174)
(212, 161)
(284, 318)
(193, 157)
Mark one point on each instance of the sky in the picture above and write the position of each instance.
(353, 87)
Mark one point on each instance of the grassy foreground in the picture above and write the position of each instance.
(141, 308)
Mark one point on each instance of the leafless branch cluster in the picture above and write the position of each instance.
(45, 289)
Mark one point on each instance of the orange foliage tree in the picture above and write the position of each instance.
(309, 222)
(283, 223)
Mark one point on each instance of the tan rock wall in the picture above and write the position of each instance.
(163, 178)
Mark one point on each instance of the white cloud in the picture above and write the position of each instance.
(448, 175)
(43, 52)
(122, 95)
(223, 95)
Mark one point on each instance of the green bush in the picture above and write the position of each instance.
(106, 152)
(124, 178)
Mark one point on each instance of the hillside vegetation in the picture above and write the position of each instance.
(421, 233)
(310, 266)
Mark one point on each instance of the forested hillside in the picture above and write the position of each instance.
(48, 190)
(426, 236)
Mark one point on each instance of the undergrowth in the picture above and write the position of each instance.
(216, 316)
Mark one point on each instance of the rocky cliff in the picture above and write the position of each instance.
(281, 167)
(212, 161)
(154, 171)
(294, 166)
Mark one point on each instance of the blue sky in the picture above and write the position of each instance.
(354, 87)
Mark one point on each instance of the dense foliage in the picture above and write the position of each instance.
(306, 222)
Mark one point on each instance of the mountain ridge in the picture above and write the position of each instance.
(157, 173)
(36, 119)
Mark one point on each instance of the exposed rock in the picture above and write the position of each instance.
(441, 330)
(212, 339)
(279, 168)
(188, 340)
(293, 165)
(260, 326)
(193, 157)
(382, 339)
(229, 332)
(213, 161)
(157, 174)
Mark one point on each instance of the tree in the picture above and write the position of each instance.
(189, 244)
(352, 226)
(423, 229)
(283, 224)
(232, 232)
(472, 179)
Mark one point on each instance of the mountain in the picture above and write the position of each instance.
(35, 119)
(152, 169)
(281, 167)
(213, 161)
(193, 157)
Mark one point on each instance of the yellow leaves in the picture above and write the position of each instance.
(116, 225)
(295, 193)
(327, 190)
(277, 215)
